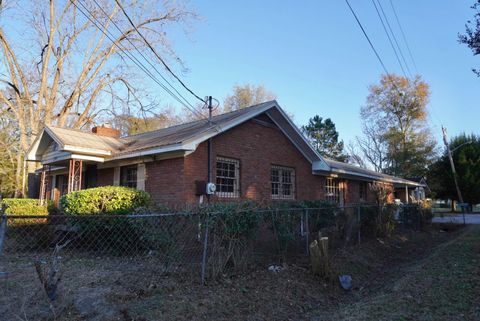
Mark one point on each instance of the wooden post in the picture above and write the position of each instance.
(43, 185)
(319, 257)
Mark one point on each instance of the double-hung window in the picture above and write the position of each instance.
(332, 191)
(282, 182)
(228, 177)
(128, 176)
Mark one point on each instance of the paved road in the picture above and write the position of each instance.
(458, 219)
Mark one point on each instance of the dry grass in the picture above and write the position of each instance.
(120, 289)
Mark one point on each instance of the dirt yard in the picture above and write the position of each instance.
(431, 275)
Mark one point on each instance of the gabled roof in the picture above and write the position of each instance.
(181, 138)
(185, 138)
(187, 131)
(79, 138)
(73, 141)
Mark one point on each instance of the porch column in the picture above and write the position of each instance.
(43, 185)
(406, 194)
(75, 169)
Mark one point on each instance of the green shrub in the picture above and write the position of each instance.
(28, 233)
(118, 235)
(377, 221)
(233, 226)
(104, 200)
(24, 207)
(386, 225)
(322, 214)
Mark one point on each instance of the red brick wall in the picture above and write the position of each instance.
(165, 181)
(105, 176)
(353, 192)
(106, 131)
(257, 147)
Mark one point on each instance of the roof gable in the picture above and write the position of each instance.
(74, 141)
(181, 138)
(188, 136)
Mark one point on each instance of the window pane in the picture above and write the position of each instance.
(227, 177)
(128, 176)
(282, 182)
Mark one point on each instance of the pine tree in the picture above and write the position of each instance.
(324, 137)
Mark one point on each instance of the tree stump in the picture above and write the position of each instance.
(319, 257)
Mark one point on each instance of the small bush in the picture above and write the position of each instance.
(104, 200)
(25, 207)
(233, 226)
(28, 233)
(119, 235)
(323, 216)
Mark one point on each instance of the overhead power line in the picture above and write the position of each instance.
(389, 38)
(368, 38)
(373, 48)
(141, 54)
(155, 52)
(138, 63)
(403, 35)
(394, 38)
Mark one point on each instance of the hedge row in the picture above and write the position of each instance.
(22, 206)
(115, 200)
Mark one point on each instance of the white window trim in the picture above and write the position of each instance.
(135, 167)
(236, 186)
(141, 176)
(280, 195)
(332, 188)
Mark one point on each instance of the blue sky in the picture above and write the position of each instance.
(313, 56)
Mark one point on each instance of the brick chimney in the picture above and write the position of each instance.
(106, 130)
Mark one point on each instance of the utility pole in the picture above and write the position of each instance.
(209, 145)
(452, 164)
(209, 161)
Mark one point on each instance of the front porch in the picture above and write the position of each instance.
(64, 177)
(69, 159)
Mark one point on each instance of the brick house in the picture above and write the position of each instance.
(256, 153)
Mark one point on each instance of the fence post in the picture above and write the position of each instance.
(205, 249)
(359, 219)
(3, 228)
(307, 232)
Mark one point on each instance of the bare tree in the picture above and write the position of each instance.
(247, 95)
(373, 147)
(354, 155)
(71, 71)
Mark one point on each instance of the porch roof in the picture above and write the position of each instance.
(345, 169)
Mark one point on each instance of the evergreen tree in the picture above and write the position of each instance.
(466, 157)
(324, 137)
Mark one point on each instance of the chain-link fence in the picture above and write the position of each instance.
(200, 242)
(115, 252)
